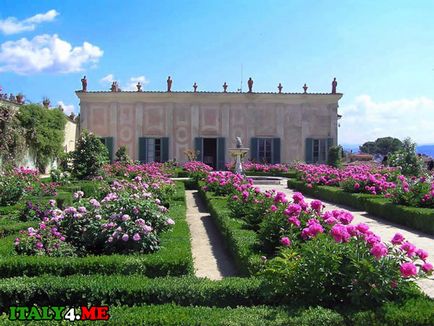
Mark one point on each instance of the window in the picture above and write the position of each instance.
(153, 146)
(317, 149)
(153, 149)
(265, 150)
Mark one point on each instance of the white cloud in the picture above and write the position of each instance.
(110, 78)
(46, 53)
(131, 86)
(12, 25)
(365, 119)
(67, 108)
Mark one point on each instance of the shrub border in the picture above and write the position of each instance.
(417, 218)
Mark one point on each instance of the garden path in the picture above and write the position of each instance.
(210, 258)
(382, 227)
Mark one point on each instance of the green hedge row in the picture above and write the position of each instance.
(414, 217)
(243, 244)
(129, 290)
(174, 257)
(418, 312)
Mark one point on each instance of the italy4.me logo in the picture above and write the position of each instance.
(59, 313)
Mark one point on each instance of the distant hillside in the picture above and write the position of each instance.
(422, 149)
(426, 149)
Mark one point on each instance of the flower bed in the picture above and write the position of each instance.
(174, 257)
(414, 217)
(304, 242)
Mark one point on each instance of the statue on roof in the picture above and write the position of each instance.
(305, 88)
(84, 84)
(139, 87)
(250, 84)
(195, 87)
(334, 86)
(225, 88)
(169, 84)
(279, 87)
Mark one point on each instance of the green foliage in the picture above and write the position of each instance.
(130, 290)
(45, 132)
(318, 316)
(335, 156)
(122, 155)
(382, 146)
(406, 158)
(11, 189)
(12, 140)
(89, 156)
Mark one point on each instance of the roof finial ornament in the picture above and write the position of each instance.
(139, 87)
(195, 87)
(305, 88)
(225, 88)
(280, 88)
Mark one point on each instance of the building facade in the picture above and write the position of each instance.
(161, 126)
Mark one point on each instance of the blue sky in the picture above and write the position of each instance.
(382, 53)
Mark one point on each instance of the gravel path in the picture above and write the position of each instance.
(210, 258)
(383, 228)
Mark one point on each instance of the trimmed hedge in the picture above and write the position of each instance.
(421, 219)
(243, 244)
(174, 257)
(129, 290)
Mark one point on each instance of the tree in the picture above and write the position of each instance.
(122, 155)
(12, 141)
(45, 132)
(406, 158)
(382, 146)
(89, 156)
(335, 156)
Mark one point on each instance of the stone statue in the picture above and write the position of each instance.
(225, 88)
(280, 88)
(334, 86)
(139, 87)
(84, 84)
(250, 84)
(195, 87)
(305, 88)
(115, 87)
(239, 142)
(169, 84)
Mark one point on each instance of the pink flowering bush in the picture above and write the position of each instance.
(413, 191)
(196, 170)
(224, 182)
(128, 219)
(257, 167)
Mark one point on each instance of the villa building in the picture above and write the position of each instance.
(161, 126)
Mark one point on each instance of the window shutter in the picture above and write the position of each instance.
(221, 150)
(254, 149)
(309, 150)
(142, 149)
(330, 142)
(164, 149)
(109, 145)
(276, 151)
(198, 146)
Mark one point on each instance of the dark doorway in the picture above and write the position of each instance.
(210, 152)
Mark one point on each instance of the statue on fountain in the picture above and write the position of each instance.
(238, 153)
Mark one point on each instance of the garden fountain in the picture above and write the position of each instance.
(238, 153)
